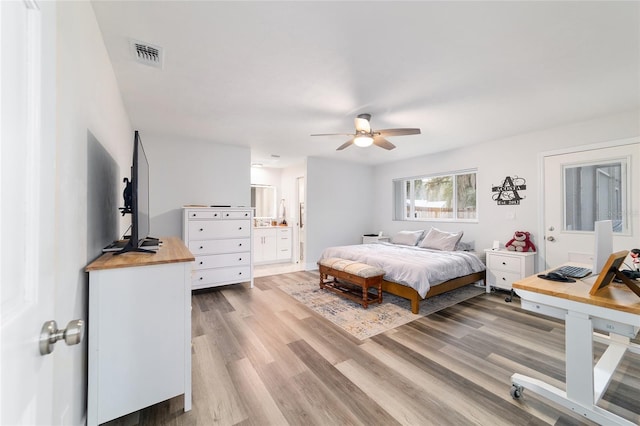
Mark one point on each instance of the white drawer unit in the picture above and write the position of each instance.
(283, 244)
(504, 267)
(220, 238)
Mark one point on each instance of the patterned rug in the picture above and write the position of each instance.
(363, 323)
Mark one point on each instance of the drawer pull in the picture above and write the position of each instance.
(504, 279)
(201, 262)
(239, 259)
(504, 263)
(240, 228)
(193, 215)
(201, 247)
(240, 245)
(227, 214)
(200, 278)
(201, 229)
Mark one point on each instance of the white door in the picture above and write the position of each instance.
(581, 187)
(27, 156)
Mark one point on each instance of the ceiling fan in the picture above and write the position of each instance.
(364, 136)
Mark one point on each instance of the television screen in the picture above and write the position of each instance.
(141, 190)
(139, 193)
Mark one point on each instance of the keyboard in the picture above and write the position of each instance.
(573, 271)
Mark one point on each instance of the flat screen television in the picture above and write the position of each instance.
(136, 199)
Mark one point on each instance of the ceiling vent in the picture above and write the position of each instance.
(147, 54)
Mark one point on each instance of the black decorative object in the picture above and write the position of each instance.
(127, 196)
(507, 193)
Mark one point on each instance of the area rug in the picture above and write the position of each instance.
(363, 323)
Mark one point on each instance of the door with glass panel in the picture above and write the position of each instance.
(582, 187)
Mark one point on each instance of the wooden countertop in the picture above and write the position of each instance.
(614, 296)
(172, 250)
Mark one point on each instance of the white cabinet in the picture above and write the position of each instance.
(504, 267)
(264, 245)
(272, 244)
(139, 330)
(220, 239)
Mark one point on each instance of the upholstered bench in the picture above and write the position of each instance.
(354, 273)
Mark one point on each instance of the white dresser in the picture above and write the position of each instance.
(139, 330)
(272, 244)
(220, 239)
(504, 267)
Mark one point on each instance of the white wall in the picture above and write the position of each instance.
(90, 111)
(517, 155)
(339, 205)
(186, 171)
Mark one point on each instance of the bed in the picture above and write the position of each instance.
(415, 272)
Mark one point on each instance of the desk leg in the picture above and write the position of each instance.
(579, 396)
(579, 357)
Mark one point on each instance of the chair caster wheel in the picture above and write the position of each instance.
(516, 391)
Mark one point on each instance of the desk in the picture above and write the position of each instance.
(615, 309)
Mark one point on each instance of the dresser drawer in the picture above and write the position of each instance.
(502, 279)
(222, 260)
(504, 263)
(208, 229)
(195, 214)
(215, 276)
(232, 245)
(236, 215)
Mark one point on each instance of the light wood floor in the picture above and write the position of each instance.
(262, 358)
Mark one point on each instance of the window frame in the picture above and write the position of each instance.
(401, 187)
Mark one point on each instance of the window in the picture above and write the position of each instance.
(446, 197)
(595, 192)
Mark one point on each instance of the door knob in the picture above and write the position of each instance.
(50, 334)
(550, 238)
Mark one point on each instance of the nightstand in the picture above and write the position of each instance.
(372, 238)
(504, 267)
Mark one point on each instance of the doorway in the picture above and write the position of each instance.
(585, 185)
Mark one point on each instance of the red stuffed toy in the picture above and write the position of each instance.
(521, 241)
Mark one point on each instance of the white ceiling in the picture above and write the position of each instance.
(269, 74)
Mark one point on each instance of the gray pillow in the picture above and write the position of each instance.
(407, 238)
(441, 240)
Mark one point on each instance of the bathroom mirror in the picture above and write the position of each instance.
(263, 198)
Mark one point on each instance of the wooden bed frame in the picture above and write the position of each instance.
(409, 293)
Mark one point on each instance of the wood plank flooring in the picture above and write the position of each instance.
(262, 358)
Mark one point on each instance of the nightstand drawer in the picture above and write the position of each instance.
(504, 263)
(502, 279)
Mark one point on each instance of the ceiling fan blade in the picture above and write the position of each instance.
(333, 134)
(398, 132)
(362, 123)
(345, 145)
(383, 143)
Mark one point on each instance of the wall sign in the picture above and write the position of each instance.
(507, 193)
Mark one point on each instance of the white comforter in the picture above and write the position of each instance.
(415, 267)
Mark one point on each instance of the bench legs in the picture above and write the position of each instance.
(337, 287)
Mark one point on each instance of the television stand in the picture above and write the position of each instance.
(124, 246)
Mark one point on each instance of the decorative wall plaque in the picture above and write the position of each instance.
(507, 193)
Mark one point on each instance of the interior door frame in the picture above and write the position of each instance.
(541, 189)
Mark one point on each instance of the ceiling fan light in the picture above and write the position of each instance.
(363, 141)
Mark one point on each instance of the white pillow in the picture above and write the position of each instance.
(441, 240)
(407, 238)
